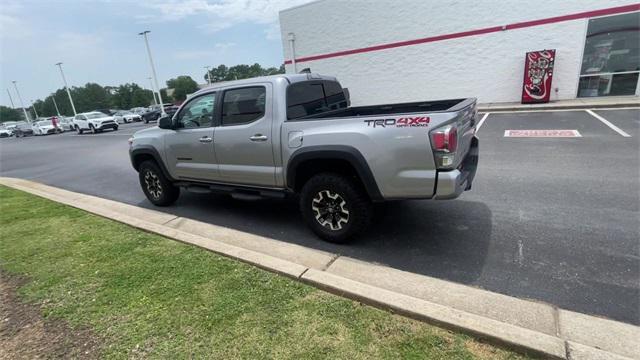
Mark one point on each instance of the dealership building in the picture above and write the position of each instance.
(398, 51)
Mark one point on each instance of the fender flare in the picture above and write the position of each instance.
(148, 150)
(338, 152)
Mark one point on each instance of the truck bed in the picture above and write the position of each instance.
(386, 109)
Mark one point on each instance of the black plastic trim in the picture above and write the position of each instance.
(341, 152)
(149, 150)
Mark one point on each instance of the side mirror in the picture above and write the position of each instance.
(165, 122)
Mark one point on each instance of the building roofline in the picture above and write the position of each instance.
(301, 6)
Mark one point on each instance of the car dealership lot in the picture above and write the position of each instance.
(551, 219)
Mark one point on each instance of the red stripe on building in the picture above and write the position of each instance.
(520, 25)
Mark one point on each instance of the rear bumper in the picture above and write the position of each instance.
(450, 184)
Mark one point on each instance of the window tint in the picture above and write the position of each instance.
(198, 112)
(335, 95)
(304, 99)
(241, 106)
(314, 97)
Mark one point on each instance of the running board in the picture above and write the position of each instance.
(237, 192)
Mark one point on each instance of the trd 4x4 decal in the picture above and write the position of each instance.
(400, 122)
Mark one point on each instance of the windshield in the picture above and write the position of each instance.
(44, 123)
(95, 115)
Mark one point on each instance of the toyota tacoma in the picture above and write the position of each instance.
(296, 134)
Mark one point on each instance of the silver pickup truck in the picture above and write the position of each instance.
(296, 134)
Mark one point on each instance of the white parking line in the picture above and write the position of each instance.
(481, 122)
(559, 110)
(606, 122)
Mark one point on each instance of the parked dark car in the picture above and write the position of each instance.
(22, 130)
(154, 114)
(109, 112)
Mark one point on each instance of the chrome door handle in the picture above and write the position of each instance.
(205, 139)
(258, 137)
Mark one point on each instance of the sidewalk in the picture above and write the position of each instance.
(520, 324)
(580, 103)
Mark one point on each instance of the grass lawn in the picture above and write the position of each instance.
(143, 295)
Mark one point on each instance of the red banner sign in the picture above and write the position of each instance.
(538, 73)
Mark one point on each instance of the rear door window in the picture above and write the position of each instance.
(314, 97)
(243, 105)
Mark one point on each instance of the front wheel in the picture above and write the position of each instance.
(78, 130)
(335, 207)
(156, 186)
(93, 129)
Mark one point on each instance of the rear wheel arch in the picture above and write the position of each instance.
(339, 159)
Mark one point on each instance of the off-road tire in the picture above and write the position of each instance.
(356, 202)
(149, 172)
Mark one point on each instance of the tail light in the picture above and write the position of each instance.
(444, 142)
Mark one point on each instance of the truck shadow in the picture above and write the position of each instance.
(445, 239)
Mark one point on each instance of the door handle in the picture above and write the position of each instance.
(205, 139)
(258, 137)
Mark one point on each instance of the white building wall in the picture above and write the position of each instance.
(487, 66)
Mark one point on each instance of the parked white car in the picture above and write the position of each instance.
(65, 123)
(44, 127)
(94, 121)
(126, 116)
(5, 132)
(139, 110)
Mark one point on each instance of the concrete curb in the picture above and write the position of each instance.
(573, 336)
(572, 105)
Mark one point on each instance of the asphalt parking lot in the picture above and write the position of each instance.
(549, 219)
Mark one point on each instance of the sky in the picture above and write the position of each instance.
(97, 40)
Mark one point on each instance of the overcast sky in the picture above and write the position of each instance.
(97, 40)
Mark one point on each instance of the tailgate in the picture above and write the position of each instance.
(466, 124)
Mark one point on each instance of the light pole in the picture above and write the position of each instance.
(34, 109)
(67, 88)
(55, 104)
(26, 116)
(208, 74)
(153, 70)
(153, 90)
(10, 99)
(292, 48)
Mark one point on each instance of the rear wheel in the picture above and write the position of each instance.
(156, 186)
(335, 207)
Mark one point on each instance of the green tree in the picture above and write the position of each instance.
(62, 99)
(165, 97)
(90, 97)
(141, 98)
(132, 95)
(9, 114)
(241, 71)
(182, 86)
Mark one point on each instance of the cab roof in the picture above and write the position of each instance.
(290, 78)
